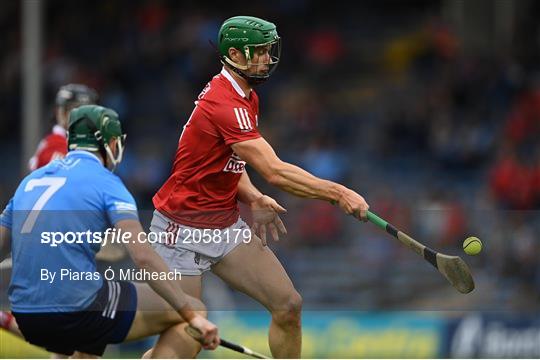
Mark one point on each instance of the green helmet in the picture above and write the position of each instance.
(246, 33)
(91, 127)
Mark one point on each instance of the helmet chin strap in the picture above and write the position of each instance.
(235, 65)
(239, 69)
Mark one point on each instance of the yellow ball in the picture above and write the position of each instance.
(472, 245)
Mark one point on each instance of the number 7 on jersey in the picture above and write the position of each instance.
(53, 184)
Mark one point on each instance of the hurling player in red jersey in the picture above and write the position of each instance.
(198, 204)
(54, 145)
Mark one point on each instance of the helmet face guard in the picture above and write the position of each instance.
(274, 53)
(113, 161)
(250, 35)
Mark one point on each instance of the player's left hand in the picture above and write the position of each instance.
(266, 214)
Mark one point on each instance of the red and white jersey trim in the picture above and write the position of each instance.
(233, 82)
(243, 119)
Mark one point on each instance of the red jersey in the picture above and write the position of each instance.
(202, 189)
(53, 146)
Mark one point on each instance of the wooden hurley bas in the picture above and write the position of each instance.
(453, 268)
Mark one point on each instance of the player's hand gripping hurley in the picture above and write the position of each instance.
(453, 268)
(194, 333)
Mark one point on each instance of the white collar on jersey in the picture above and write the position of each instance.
(83, 153)
(58, 130)
(235, 85)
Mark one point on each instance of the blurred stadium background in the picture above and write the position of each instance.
(430, 109)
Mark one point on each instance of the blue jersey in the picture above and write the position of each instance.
(74, 199)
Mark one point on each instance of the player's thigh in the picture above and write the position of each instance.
(256, 271)
(154, 314)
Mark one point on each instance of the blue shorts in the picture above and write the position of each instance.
(106, 321)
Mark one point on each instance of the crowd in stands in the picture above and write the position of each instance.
(441, 143)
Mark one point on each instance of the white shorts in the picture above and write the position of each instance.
(192, 251)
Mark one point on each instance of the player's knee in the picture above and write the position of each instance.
(288, 312)
(295, 303)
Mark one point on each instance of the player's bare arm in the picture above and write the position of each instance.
(145, 257)
(247, 192)
(259, 154)
(265, 209)
(5, 242)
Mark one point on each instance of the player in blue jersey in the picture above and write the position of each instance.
(58, 298)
